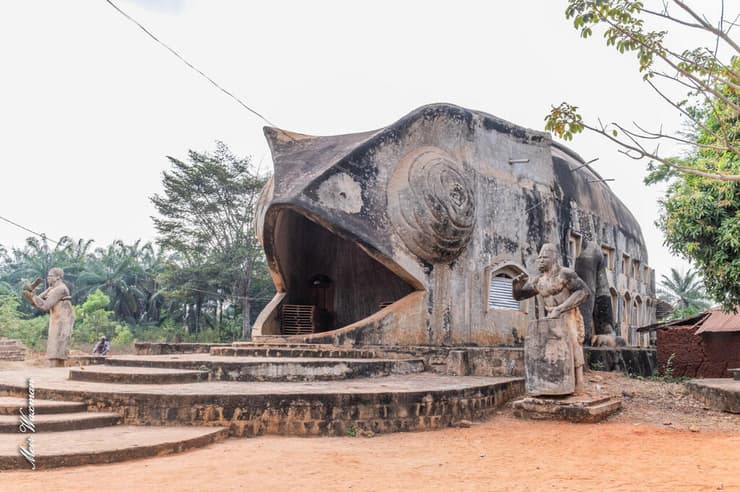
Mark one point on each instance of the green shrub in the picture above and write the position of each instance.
(168, 331)
(13, 324)
(123, 335)
(93, 319)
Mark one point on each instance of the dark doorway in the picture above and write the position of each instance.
(331, 277)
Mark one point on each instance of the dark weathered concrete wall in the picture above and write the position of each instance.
(444, 199)
(629, 360)
(708, 355)
(509, 361)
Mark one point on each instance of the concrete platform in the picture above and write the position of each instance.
(161, 348)
(84, 360)
(136, 375)
(105, 445)
(578, 409)
(261, 350)
(10, 405)
(232, 368)
(61, 421)
(411, 402)
(719, 394)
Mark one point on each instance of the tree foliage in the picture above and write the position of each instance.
(209, 273)
(125, 273)
(206, 216)
(684, 292)
(93, 319)
(700, 217)
(700, 214)
(708, 74)
(16, 325)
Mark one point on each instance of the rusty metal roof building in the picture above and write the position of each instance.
(718, 321)
(713, 320)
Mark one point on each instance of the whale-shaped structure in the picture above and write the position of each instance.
(411, 234)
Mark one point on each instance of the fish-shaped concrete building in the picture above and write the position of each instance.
(411, 234)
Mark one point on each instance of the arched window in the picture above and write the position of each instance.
(499, 292)
(626, 316)
(615, 305)
(637, 319)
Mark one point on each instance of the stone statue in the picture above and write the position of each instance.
(554, 346)
(56, 300)
(598, 317)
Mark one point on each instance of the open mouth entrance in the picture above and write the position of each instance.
(330, 282)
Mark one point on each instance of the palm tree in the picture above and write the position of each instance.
(684, 291)
(115, 271)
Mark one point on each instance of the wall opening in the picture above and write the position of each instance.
(499, 280)
(330, 282)
(499, 292)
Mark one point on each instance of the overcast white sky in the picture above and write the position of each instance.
(90, 106)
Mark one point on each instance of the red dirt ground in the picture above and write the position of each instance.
(500, 454)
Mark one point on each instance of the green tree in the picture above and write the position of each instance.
(16, 325)
(683, 291)
(115, 271)
(705, 72)
(700, 214)
(700, 217)
(34, 260)
(206, 216)
(94, 319)
(127, 273)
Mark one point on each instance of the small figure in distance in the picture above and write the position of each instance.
(562, 291)
(102, 347)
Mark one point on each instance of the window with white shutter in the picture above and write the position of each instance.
(499, 293)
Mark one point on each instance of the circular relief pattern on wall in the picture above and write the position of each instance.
(431, 204)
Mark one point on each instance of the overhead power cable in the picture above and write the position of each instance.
(209, 79)
(41, 235)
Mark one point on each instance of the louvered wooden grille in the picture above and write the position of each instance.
(298, 319)
(499, 294)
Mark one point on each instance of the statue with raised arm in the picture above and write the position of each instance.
(56, 300)
(554, 345)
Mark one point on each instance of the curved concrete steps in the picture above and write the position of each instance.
(104, 445)
(56, 422)
(136, 375)
(412, 402)
(226, 368)
(12, 350)
(295, 352)
(10, 405)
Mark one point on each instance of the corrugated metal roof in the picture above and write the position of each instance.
(719, 321)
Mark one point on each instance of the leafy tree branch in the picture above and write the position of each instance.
(712, 84)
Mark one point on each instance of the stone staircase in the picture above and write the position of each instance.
(67, 434)
(12, 350)
(279, 387)
(243, 361)
(135, 375)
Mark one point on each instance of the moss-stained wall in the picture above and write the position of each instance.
(444, 199)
